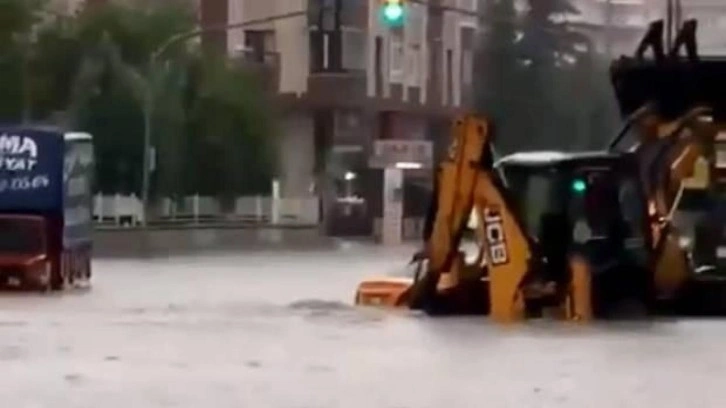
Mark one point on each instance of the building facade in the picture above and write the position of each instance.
(342, 82)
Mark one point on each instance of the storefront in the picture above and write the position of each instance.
(405, 168)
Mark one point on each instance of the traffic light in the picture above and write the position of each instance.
(393, 12)
(579, 185)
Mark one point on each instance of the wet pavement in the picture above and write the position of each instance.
(276, 330)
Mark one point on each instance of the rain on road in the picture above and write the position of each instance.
(276, 329)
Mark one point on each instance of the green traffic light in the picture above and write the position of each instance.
(579, 186)
(393, 12)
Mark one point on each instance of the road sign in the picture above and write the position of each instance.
(389, 153)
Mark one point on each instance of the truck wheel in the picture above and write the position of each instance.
(44, 289)
(41, 287)
(58, 277)
(87, 269)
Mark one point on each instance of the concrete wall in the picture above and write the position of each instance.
(292, 42)
(297, 155)
(136, 243)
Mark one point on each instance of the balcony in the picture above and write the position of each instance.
(263, 66)
(340, 89)
(337, 66)
(351, 14)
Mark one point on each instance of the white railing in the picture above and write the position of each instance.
(117, 209)
(126, 210)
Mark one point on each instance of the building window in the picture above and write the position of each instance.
(257, 44)
(378, 63)
(325, 51)
(354, 49)
(323, 14)
(413, 74)
(721, 156)
(317, 51)
(449, 89)
(466, 67)
(423, 59)
(396, 61)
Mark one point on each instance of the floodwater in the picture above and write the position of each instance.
(276, 329)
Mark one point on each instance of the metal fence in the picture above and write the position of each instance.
(127, 211)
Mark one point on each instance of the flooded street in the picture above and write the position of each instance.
(276, 330)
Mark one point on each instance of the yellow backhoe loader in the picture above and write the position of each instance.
(575, 236)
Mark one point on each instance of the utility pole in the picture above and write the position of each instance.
(608, 28)
(674, 19)
(677, 14)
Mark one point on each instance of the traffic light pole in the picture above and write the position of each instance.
(458, 10)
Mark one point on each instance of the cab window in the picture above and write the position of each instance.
(536, 194)
(610, 208)
(595, 209)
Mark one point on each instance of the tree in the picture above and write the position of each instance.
(542, 82)
(525, 62)
(595, 103)
(547, 39)
(95, 68)
(231, 137)
(500, 93)
(112, 84)
(17, 19)
(55, 59)
(211, 132)
(550, 51)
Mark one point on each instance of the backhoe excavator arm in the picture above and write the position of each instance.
(511, 271)
(507, 248)
(668, 152)
(455, 185)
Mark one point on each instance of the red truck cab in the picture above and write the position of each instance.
(24, 255)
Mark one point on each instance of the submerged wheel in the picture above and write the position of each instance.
(43, 286)
(87, 269)
(71, 278)
(622, 293)
(44, 289)
(703, 296)
(58, 276)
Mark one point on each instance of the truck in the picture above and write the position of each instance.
(46, 221)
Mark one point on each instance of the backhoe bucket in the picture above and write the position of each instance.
(675, 84)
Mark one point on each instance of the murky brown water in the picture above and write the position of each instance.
(264, 331)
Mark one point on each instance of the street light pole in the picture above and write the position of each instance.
(150, 83)
(609, 28)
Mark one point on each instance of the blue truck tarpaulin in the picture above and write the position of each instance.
(45, 171)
